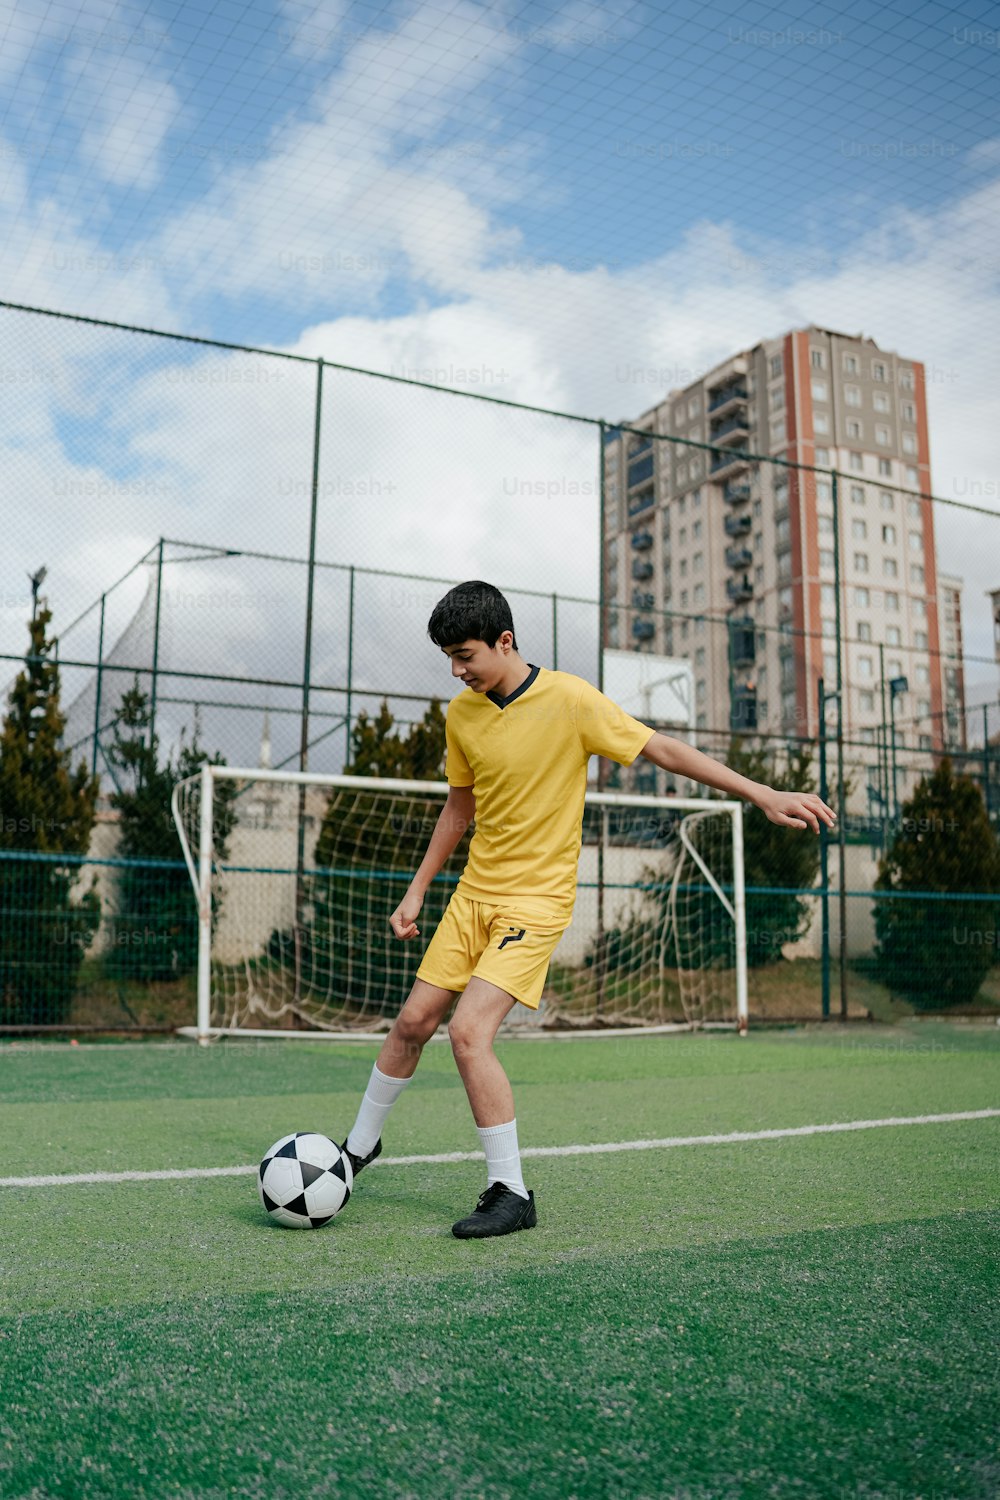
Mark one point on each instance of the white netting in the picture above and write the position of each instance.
(306, 871)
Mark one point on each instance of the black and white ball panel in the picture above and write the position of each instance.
(304, 1180)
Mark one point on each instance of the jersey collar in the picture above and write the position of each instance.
(525, 685)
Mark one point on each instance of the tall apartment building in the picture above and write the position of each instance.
(751, 544)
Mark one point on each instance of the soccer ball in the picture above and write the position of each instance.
(304, 1180)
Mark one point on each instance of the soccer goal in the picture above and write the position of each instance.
(295, 876)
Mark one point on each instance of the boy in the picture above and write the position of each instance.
(519, 740)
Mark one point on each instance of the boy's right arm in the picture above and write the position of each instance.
(458, 812)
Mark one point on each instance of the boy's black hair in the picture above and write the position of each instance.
(473, 611)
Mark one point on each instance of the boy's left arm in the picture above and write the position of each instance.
(794, 809)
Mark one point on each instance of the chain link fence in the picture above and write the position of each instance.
(257, 538)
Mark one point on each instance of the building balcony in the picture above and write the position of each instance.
(736, 491)
(739, 590)
(640, 471)
(738, 557)
(739, 525)
(721, 398)
(642, 446)
(642, 599)
(643, 630)
(642, 567)
(743, 708)
(736, 423)
(642, 540)
(729, 462)
(742, 643)
(641, 500)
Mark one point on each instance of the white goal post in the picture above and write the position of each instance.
(295, 873)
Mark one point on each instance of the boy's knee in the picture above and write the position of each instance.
(465, 1035)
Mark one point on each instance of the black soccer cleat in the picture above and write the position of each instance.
(499, 1211)
(357, 1162)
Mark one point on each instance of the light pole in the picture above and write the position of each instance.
(37, 579)
(897, 685)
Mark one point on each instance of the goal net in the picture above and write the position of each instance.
(295, 876)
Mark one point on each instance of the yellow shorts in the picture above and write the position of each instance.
(507, 941)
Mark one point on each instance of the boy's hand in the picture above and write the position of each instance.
(404, 919)
(796, 809)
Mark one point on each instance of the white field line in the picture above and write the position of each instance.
(72, 1179)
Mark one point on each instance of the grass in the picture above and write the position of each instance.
(805, 1316)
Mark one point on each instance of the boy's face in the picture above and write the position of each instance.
(480, 666)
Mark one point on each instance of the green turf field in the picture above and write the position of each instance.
(808, 1316)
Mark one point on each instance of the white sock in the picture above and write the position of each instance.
(380, 1095)
(503, 1160)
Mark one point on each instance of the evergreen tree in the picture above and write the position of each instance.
(154, 934)
(937, 953)
(46, 807)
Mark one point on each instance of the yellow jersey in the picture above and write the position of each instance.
(526, 758)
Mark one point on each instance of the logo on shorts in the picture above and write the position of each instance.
(512, 937)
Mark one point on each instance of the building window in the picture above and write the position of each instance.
(889, 534)
(699, 657)
(881, 435)
(861, 562)
(856, 460)
(830, 628)
(909, 412)
(920, 641)
(758, 575)
(919, 608)
(826, 557)
(819, 390)
(878, 370)
(683, 566)
(757, 508)
(880, 402)
(864, 630)
(817, 358)
(916, 541)
(776, 365)
(701, 690)
(695, 531)
(777, 397)
(886, 500)
(862, 599)
(821, 423)
(694, 407)
(684, 598)
(906, 380)
(890, 567)
(698, 562)
(865, 666)
(827, 595)
(850, 364)
(823, 458)
(892, 636)
(923, 675)
(852, 395)
(866, 701)
(854, 431)
(782, 529)
(885, 468)
(913, 508)
(824, 490)
(891, 602)
(699, 593)
(894, 668)
(916, 573)
(777, 431)
(824, 525)
(859, 528)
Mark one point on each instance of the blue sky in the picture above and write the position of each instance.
(573, 205)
